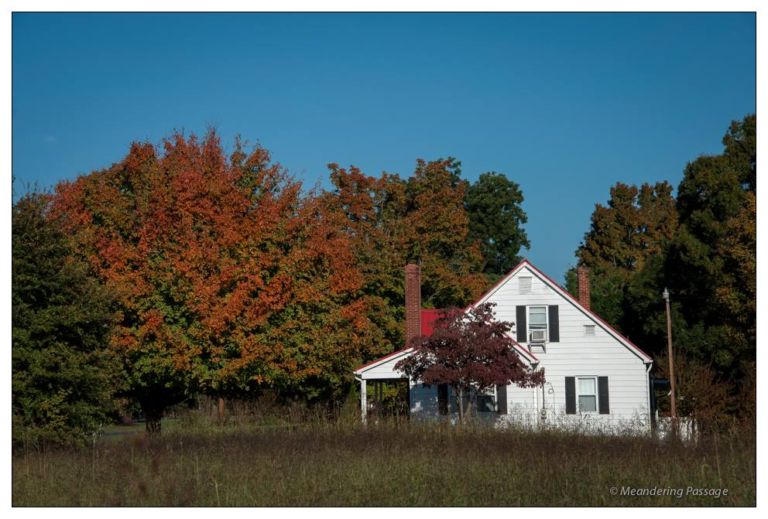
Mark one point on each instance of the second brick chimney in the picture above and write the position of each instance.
(412, 302)
(583, 276)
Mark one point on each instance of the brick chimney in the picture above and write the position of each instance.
(412, 302)
(583, 275)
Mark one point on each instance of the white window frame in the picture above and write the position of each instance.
(491, 392)
(528, 321)
(579, 394)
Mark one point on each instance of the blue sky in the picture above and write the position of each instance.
(564, 104)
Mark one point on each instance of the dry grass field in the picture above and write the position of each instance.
(387, 464)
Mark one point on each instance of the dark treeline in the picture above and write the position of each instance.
(701, 245)
(180, 271)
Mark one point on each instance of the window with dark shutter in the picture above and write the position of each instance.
(586, 394)
(501, 397)
(570, 395)
(554, 324)
(602, 392)
(520, 324)
(442, 399)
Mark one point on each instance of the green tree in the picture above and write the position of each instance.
(496, 218)
(711, 265)
(702, 246)
(63, 374)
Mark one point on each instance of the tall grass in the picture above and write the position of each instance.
(392, 463)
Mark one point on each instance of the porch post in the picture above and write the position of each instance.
(363, 400)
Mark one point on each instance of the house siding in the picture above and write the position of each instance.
(574, 355)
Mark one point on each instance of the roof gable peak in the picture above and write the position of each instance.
(565, 295)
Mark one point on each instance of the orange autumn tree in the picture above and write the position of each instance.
(372, 211)
(438, 234)
(390, 221)
(229, 278)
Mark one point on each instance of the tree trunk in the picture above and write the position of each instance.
(460, 402)
(221, 410)
(152, 419)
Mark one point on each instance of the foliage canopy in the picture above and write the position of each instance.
(63, 375)
(228, 279)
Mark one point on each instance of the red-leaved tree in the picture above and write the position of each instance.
(469, 350)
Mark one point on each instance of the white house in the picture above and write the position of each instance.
(595, 377)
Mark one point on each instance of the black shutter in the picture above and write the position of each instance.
(602, 394)
(554, 324)
(501, 397)
(522, 327)
(442, 399)
(570, 395)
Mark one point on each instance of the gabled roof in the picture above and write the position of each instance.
(429, 316)
(565, 294)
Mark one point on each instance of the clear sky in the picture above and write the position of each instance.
(564, 104)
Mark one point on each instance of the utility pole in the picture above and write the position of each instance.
(665, 295)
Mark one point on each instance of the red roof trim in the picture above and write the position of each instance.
(589, 312)
(382, 359)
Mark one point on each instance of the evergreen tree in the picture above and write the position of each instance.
(63, 374)
(496, 218)
(711, 265)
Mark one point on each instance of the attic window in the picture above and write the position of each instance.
(525, 285)
(589, 330)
